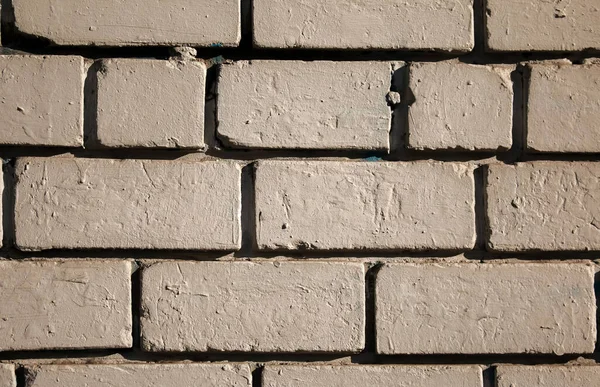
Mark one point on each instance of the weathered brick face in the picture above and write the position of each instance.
(306, 193)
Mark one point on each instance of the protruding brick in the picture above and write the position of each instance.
(253, 307)
(533, 25)
(564, 108)
(548, 376)
(368, 24)
(466, 308)
(150, 375)
(547, 206)
(7, 376)
(375, 376)
(73, 304)
(41, 100)
(346, 205)
(151, 103)
(460, 106)
(117, 204)
(308, 105)
(134, 22)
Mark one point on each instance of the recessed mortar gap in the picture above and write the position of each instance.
(136, 307)
(8, 203)
(489, 376)
(257, 375)
(248, 212)
(370, 307)
(480, 212)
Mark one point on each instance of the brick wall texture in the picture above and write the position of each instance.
(306, 193)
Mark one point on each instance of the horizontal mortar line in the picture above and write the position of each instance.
(137, 254)
(102, 357)
(255, 155)
(336, 54)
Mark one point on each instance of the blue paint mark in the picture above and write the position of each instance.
(216, 45)
(373, 158)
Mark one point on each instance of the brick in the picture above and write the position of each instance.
(308, 105)
(41, 100)
(74, 304)
(376, 376)
(532, 25)
(548, 376)
(346, 205)
(7, 375)
(368, 24)
(564, 108)
(469, 308)
(150, 375)
(460, 106)
(253, 307)
(548, 206)
(151, 103)
(135, 22)
(136, 204)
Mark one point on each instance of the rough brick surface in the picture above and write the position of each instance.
(460, 106)
(151, 103)
(551, 206)
(564, 108)
(134, 22)
(331, 205)
(253, 307)
(533, 25)
(73, 304)
(7, 376)
(376, 376)
(41, 100)
(150, 375)
(103, 203)
(310, 105)
(547, 376)
(368, 24)
(485, 308)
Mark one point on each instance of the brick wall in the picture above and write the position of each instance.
(299, 193)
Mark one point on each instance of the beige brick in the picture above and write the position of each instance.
(345, 205)
(7, 375)
(548, 376)
(309, 105)
(150, 375)
(74, 304)
(376, 376)
(253, 307)
(151, 103)
(134, 22)
(533, 25)
(41, 100)
(143, 204)
(460, 106)
(469, 308)
(548, 206)
(368, 24)
(564, 108)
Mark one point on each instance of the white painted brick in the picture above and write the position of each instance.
(41, 100)
(548, 376)
(547, 206)
(151, 103)
(307, 105)
(533, 25)
(74, 304)
(469, 308)
(564, 108)
(7, 375)
(460, 106)
(253, 307)
(148, 375)
(143, 204)
(368, 24)
(134, 22)
(375, 376)
(346, 205)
